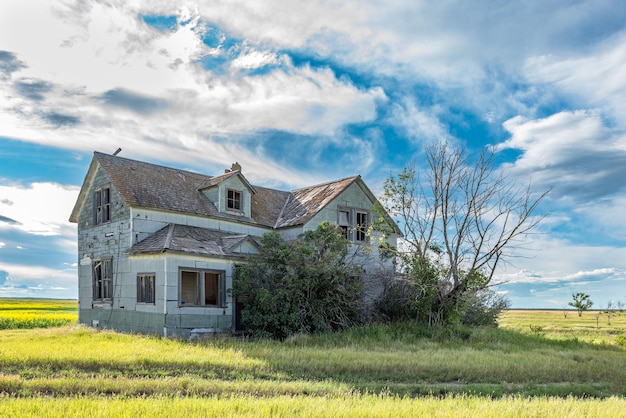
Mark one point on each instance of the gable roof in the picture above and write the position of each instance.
(214, 181)
(152, 186)
(304, 203)
(192, 240)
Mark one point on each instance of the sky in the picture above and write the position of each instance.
(304, 92)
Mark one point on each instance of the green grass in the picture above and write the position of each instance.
(564, 368)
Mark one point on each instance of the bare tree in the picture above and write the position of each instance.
(461, 214)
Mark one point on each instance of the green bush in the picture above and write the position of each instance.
(300, 287)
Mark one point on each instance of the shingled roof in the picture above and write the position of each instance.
(192, 240)
(154, 186)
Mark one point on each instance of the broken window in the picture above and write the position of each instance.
(145, 288)
(354, 224)
(102, 205)
(234, 200)
(361, 226)
(102, 279)
(344, 222)
(202, 288)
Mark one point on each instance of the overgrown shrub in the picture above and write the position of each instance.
(300, 287)
(484, 307)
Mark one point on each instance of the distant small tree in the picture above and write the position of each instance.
(581, 302)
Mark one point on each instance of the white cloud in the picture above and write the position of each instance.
(572, 151)
(550, 260)
(109, 75)
(40, 208)
(595, 78)
(251, 58)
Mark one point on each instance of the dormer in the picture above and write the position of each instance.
(231, 193)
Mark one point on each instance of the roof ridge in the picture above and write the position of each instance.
(353, 178)
(98, 155)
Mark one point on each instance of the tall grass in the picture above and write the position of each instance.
(376, 370)
(313, 406)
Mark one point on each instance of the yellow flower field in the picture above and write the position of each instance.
(28, 314)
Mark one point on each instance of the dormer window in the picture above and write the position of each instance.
(234, 200)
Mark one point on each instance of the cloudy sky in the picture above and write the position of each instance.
(304, 92)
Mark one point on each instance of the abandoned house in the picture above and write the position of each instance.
(157, 245)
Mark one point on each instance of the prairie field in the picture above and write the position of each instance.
(32, 313)
(538, 363)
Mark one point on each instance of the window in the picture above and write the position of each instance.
(361, 226)
(202, 288)
(102, 279)
(102, 205)
(145, 288)
(354, 224)
(234, 200)
(344, 221)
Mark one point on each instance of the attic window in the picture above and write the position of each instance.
(361, 226)
(234, 200)
(344, 221)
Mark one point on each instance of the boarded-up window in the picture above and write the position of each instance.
(211, 288)
(202, 288)
(145, 288)
(102, 273)
(102, 205)
(189, 288)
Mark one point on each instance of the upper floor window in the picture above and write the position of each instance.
(102, 272)
(344, 222)
(354, 224)
(234, 200)
(361, 226)
(102, 205)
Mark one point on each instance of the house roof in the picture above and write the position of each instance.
(303, 204)
(192, 240)
(214, 181)
(154, 186)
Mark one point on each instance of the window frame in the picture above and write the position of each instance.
(236, 200)
(345, 225)
(360, 229)
(102, 279)
(351, 229)
(102, 205)
(146, 291)
(200, 288)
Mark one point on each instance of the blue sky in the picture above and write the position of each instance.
(306, 92)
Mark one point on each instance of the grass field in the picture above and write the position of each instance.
(537, 364)
(30, 313)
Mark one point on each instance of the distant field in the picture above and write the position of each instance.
(34, 313)
(537, 364)
(593, 326)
